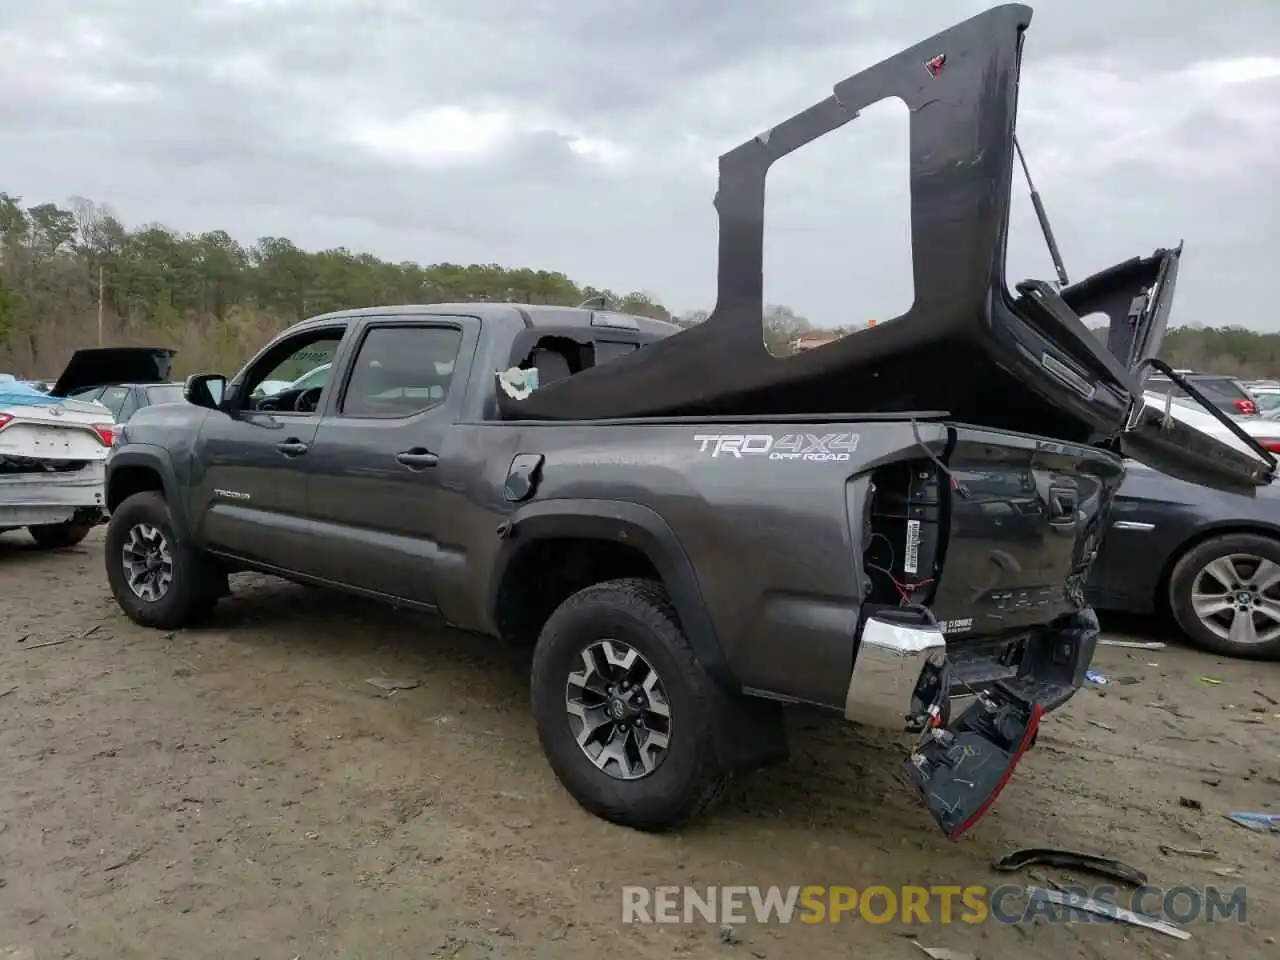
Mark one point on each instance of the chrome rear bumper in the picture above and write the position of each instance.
(899, 673)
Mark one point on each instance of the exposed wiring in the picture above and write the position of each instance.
(905, 590)
(956, 484)
(887, 542)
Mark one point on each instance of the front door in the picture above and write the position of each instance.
(375, 464)
(249, 487)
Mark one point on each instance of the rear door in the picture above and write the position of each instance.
(374, 471)
(1136, 297)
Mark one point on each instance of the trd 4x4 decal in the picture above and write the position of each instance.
(812, 447)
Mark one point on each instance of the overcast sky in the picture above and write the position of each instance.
(581, 136)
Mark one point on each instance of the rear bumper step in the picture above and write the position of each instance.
(903, 680)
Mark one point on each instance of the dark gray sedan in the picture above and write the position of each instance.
(1211, 560)
(126, 399)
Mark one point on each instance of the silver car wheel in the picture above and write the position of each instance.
(147, 562)
(618, 710)
(1237, 598)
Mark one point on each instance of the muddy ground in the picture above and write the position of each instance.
(243, 791)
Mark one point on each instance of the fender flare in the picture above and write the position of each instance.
(636, 526)
(158, 460)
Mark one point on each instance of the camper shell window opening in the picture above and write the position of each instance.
(560, 353)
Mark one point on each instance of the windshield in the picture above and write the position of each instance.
(165, 393)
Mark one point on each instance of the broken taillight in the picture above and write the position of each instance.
(106, 433)
(1247, 408)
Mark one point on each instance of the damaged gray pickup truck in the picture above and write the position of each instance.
(896, 527)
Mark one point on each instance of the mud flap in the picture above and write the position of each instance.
(961, 769)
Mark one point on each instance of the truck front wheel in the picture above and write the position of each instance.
(626, 714)
(158, 579)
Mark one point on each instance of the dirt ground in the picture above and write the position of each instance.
(243, 791)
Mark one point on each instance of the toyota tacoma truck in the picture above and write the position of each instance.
(691, 533)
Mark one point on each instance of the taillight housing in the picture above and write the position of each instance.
(1247, 407)
(1269, 443)
(5, 420)
(106, 433)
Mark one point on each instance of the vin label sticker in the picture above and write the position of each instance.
(911, 561)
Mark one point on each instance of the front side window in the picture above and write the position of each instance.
(292, 376)
(400, 371)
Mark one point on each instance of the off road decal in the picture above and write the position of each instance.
(810, 447)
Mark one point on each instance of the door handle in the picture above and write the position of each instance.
(292, 447)
(418, 458)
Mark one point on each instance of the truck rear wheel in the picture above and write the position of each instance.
(157, 578)
(625, 712)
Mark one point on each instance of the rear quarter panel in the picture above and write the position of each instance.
(767, 537)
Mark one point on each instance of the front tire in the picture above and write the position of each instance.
(1225, 596)
(626, 714)
(158, 579)
(59, 536)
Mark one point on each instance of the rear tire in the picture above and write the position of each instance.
(59, 536)
(158, 579)
(668, 784)
(1221, 599)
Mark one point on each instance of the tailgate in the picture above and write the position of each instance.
(992, 538)
(1025, 519)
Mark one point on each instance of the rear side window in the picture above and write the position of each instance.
(1217, 389)
(1220, 388)
(607, 350)
(166, 393)
(400, 371)
(129, 408)
(113, 399)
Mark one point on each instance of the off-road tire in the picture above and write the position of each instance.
(1182, 580)
(692, 775)
(197, 583)
(59, 536)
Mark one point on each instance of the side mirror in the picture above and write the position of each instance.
(205, 390)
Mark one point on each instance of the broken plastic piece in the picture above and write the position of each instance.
(1104, 909)
(517, 383)
(392, 684)
(1262, 822)
(960, 771)
(1132, 644)
(943, 953)
(1104, 866)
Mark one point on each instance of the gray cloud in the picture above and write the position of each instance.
(314, 120)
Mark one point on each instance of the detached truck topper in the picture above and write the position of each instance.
(896, 527)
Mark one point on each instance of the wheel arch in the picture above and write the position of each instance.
(139, 469)
(554, 548)
(1200, 536)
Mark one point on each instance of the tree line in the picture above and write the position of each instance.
(213, 298)
(75, 275)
